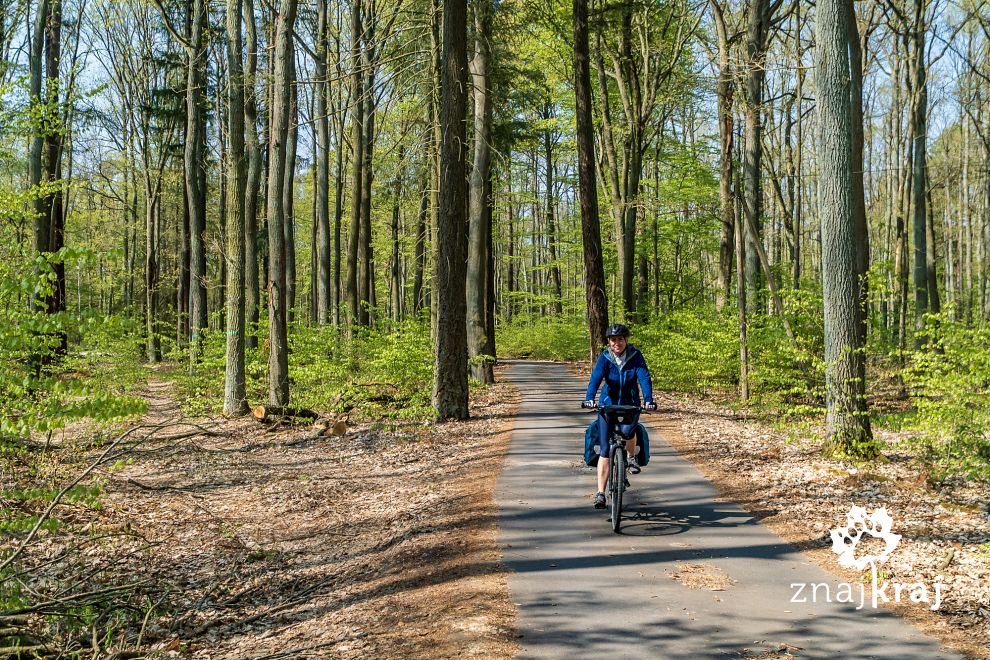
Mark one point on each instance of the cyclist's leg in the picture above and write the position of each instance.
(604, 426)
(628, 430)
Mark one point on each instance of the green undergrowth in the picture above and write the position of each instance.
(379, 373)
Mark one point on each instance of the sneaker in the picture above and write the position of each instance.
(599, 500)
(633, 465)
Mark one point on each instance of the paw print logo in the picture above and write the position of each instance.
(845, 539)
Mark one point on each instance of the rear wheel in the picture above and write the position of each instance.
(617, 485)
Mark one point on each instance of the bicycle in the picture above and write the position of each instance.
(617, 482)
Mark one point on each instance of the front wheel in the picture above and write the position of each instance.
(617, 482)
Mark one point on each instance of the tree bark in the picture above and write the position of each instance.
(591, 237)
(919, 123)
(758, 25)
(480, 201)
(357, 175)
(450, 386)
(278, 366)
(847, 419)
(324, 292)
(195, 176)
(235, 397)
(725, 90)
(252, 146)
(288, 193)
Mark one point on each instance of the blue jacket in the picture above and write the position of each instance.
(620, 383)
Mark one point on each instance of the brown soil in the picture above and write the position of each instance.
(269, 542)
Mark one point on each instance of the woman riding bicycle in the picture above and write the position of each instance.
(622, 367)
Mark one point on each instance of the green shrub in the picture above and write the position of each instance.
(949, 383)
(543, 338)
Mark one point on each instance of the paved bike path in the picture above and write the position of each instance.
(584, 592)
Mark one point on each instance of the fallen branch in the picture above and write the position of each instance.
(263, 412)
(58, 498)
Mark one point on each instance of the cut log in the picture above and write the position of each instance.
(263, 412)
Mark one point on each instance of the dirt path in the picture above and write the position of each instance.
(269, 543)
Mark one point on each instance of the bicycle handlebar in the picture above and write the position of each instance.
(612, 408)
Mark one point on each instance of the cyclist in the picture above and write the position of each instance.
(622, 367)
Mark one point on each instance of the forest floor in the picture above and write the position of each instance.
(270, 541)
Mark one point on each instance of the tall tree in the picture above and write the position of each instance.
(759, 14)
(725, 91)
(480, 345)
(235, 397)
(450, 386)
(282, 65)
(848, 423)
(252, 147)
(595, 297)
(323, 247)
(357, 152)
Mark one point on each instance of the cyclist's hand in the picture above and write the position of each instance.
(649, 405)
(589, 404)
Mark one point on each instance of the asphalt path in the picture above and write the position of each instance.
(584, 592)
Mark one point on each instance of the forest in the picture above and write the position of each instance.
(358, 207)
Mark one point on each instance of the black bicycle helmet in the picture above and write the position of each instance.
(617, 330)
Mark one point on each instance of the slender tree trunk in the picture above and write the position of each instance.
(480, 201)
(725, 91)
(366, 279)
(551, 218)
(450, 386)
(421, 229)
(861, 236)
(235, 396)
(595, 297)
(394, 270)
(195, 176)
(252, 146)
(357, 176)
(758, 25)
(847, 420)
(740, 238)
(919, 122)
(278, 365)
(288, 193)
(324, 293)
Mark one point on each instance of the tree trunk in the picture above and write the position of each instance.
(847, 420)
(758, 25)
(366, 278)
(195, 176)
(278, 364)
(324, 291)
(288, 193)
(395, 283)
(235, 397)
(591, 237)
(252, 192)
(357, 176)
(450, 385)
(919, 123)
(480, 201)
(725, 91)
(861, 237)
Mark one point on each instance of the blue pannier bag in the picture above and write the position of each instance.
(591, 444)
